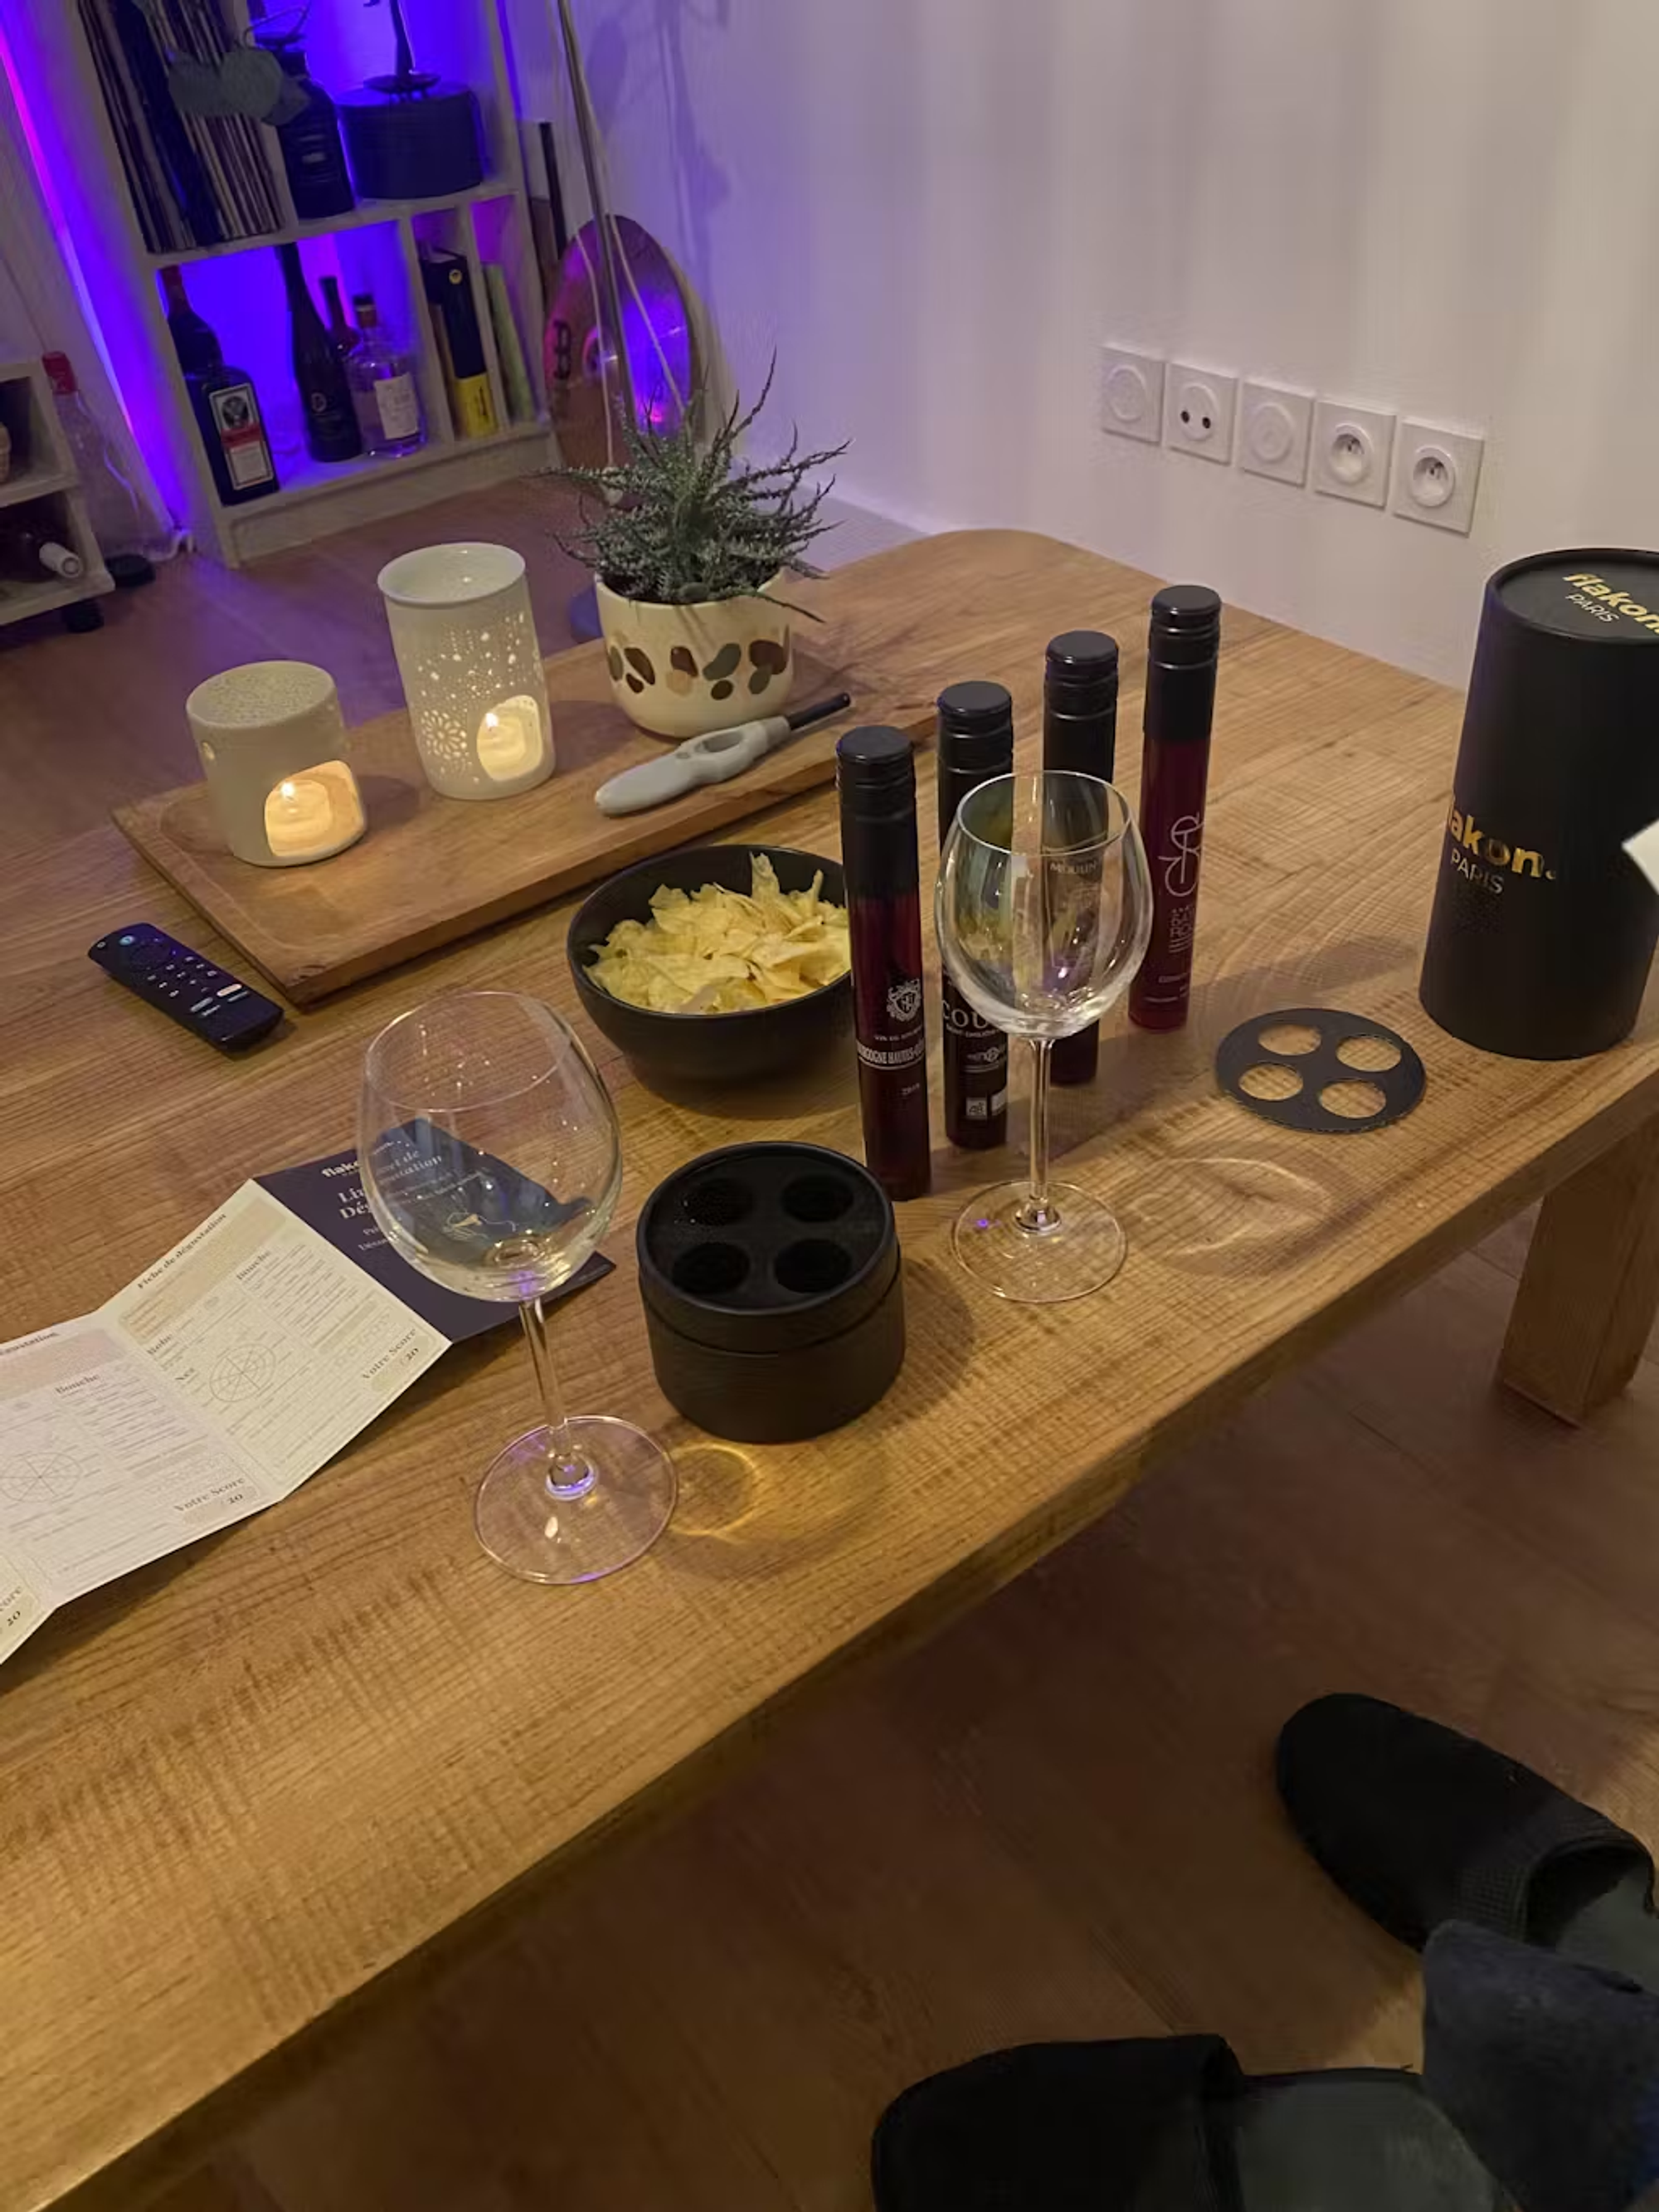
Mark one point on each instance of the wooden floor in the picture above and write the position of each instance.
(1057, 1820)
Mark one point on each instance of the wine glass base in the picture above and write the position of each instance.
(545, 1538)
(1080, 1252)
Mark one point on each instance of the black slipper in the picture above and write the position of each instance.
(1421, 1825)
(1550, 2069)
(1168, 2126)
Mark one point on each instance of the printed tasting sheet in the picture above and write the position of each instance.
(228, 1373)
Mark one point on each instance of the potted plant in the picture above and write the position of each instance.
(688, 546)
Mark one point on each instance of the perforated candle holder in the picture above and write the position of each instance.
(466, 641)
(273, 745)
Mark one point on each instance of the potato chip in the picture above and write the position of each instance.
(719, 952)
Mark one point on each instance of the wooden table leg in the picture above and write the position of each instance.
(1591, 1290)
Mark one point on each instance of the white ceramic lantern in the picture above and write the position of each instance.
(273, 742)
(466, 641)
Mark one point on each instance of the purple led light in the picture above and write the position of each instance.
(54, 210)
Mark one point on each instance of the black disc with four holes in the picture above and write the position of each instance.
(1343, 1058)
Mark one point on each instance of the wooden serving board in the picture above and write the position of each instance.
(431, 870)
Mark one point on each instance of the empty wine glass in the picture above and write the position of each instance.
(1044, 908)
(491, 1159)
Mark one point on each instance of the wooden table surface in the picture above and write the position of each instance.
(302, 1762)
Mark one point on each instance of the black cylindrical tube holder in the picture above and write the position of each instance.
(1543, 927)
(774, 1290)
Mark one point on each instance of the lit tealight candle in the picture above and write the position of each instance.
(303, 822)
(510, 739)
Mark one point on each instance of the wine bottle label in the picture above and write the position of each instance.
(241, 435)
(399, 409)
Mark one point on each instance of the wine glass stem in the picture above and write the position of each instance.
(1038, 1213)
(569, 1474)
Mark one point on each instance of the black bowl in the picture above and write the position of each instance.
(724, 1049)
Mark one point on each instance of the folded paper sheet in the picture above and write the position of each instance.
(218, 1382)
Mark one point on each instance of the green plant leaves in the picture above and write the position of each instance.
(677, 523)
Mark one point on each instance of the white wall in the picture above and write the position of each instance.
(935, 209)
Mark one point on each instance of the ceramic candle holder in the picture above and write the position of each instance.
(272, 742)
(465, 642)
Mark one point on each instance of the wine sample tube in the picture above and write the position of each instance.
(876, 779)
(976, 743)
(1079, 732)
(1182, 652)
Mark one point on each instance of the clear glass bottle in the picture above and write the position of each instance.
(121, 522)
(383, 391)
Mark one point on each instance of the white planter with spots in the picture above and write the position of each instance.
(681, 671)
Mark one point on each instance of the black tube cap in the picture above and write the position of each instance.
(975, 730)
(974, 706)
(1083, 655)
(874, 762)
(1081, 674)
(1186, 628)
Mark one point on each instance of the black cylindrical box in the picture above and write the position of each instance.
(773, 1290)
(418, 146)
(1543, 927)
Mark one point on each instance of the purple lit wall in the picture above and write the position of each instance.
(34, 50)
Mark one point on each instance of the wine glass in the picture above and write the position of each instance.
(1044, 908)
(491, 1159)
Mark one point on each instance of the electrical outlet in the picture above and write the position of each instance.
(1436, 474)
(1275, 429)
(1131, 394)
(1351, 448)
(1198, 406)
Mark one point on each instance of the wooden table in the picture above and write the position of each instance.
(249, 1788)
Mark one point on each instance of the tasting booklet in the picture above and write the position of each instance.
(218, 1382)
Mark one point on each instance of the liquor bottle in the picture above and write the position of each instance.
(224, 400)
(194, 340)
(383, 388)
(312, 155)
(875, 778)
(1079, 733)
(976, 743)
(346, 340)
(331, 421)
(28, 552)
(1181, 655)
(226, 409)
(121, 521)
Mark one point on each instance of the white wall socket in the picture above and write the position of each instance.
(1275, 427)
(1199, 407)
(1131, 394)
(1437, 473)
(1352, 449)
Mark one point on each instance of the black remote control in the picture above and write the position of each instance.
(204, 999)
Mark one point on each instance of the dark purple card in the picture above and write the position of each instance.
(327, 1196)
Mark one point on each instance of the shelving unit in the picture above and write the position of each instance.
(237, 285)
(43, 475)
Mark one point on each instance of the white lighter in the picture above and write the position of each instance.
(709, 759)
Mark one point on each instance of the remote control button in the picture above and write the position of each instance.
(231, 991)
